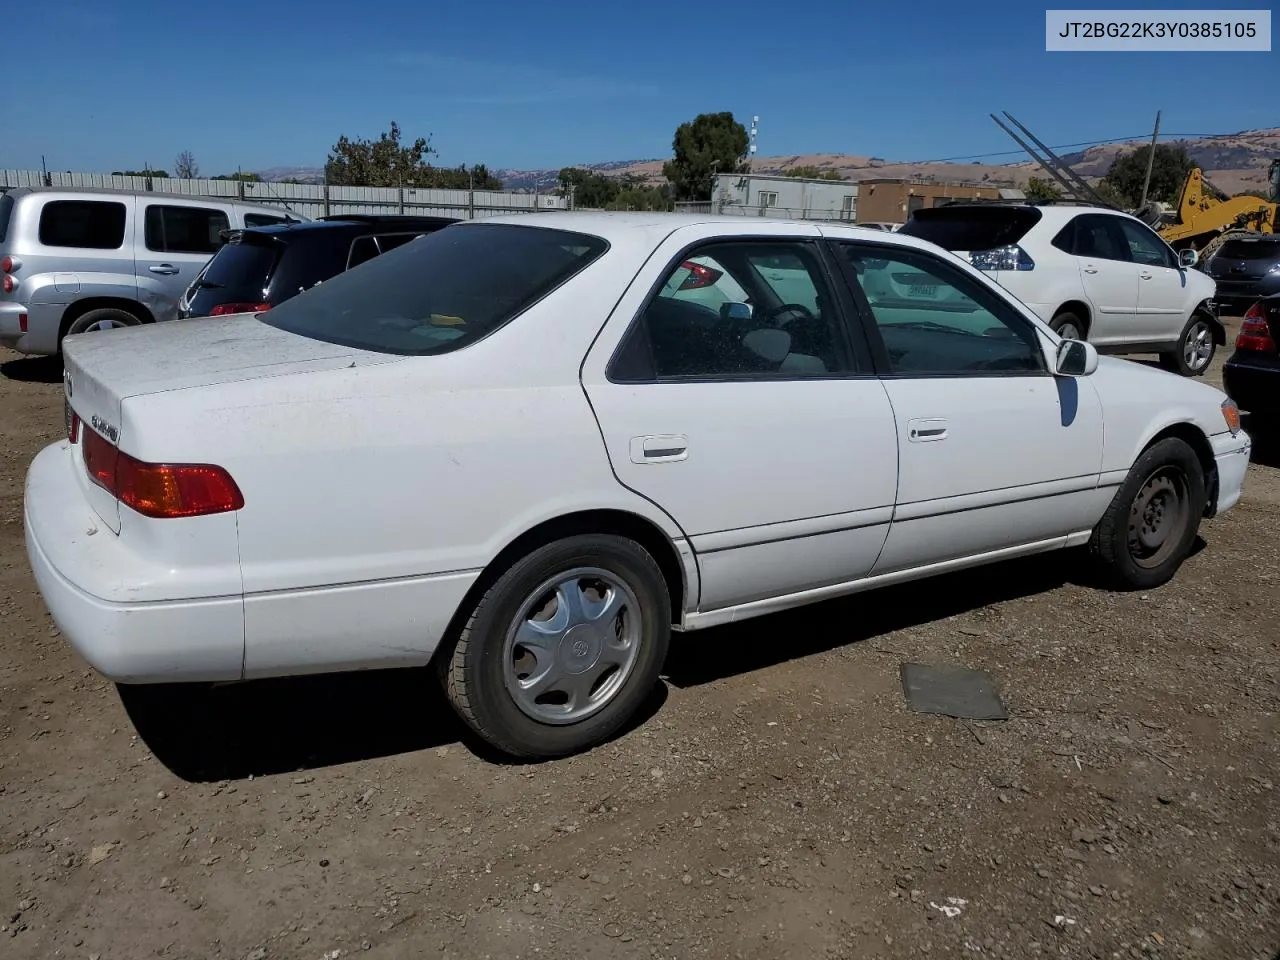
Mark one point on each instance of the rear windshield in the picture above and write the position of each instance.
(238, 273)
(440, 293)
(6, 211)
(1244, 250)
(972, 229)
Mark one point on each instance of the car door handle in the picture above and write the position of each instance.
(1089, 268)
(664, 448)
(1146, 275)
(923, 431)
(166, 269)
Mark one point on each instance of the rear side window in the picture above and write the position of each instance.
(184, 229)
(441, 293)
(6, 211)
(972, 229)
(87, 224)
(1231, 250)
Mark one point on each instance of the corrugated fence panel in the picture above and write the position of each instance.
(307, 199)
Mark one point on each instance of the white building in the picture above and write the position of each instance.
(761, 195)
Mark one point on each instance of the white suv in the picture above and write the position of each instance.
(1089, 272)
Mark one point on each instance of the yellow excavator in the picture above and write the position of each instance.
(1205, 216)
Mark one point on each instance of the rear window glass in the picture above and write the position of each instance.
(440, 293)
(972, 229)
(1231, 250)
(88, 224)
(262, 220)
(6, 211)
(184, 229)
(238, 273)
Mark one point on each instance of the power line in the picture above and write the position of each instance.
(1065, 146)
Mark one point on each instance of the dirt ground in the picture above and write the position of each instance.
(778, 800)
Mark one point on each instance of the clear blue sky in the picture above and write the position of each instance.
(101, 86)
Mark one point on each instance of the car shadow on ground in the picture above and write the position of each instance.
(721, 652)
(33, 370)
(233, 731)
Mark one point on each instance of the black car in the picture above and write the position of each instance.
(1246, 269)
(259, 268)
(1251, 376)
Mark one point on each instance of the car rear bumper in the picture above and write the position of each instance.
(1231, 454)
(1253, 382)
(41, 333)
(74, 557)
(1233, 294)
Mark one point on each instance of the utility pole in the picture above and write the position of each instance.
(44, 173)
(1151, 156)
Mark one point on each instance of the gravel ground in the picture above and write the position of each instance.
(777, 800)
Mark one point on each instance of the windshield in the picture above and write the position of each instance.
(440, 293)
(1250, 250)
(972, 229)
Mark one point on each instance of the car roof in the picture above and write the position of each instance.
(1050, 213)
(107, 192)
(358, 225)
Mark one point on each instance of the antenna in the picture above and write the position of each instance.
(751, 149)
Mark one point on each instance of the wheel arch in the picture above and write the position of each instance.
(623, 523)
(1080, 309)
(1196, 439)
(80, 307)
(1205, 309)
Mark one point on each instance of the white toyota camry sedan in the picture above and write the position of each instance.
(526, 449)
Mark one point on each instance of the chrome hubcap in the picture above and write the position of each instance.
(1197, 349)
(572, 645)
(1157, 517)
(1069, 331)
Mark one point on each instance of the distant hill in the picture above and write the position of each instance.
(1234, 162)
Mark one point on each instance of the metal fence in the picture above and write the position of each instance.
(306, 199)
(775, 213)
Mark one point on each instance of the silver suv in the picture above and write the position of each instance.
(78, 260)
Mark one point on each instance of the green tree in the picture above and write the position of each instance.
(388, 162)
(711, 143)
(1110, 194)
(246, 177)
(813, 173)
(1168, 172)
(1039, 190)
(158, 174)
(588, 188)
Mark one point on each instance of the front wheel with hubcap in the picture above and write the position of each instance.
(1196, 347)
(563, 648)
(1147, 531)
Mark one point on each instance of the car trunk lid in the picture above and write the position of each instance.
(102, 370)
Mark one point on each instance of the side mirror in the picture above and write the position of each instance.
(1075, 358)
(735, 311)
(768, 343)
(1188, 258)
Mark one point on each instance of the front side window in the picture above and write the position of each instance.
(936, 321)
(184, 229)
(440, 293)
(1144, 246)
(756, 308)
(88, 224)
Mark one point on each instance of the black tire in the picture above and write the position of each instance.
(1068, 320)
(1127, 559)
(474, 671)
(1196, 348)
(92, 320)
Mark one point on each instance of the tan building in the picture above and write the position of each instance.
(893, 201)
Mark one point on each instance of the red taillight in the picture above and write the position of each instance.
(161, 490)
(10, 284)
(699, 276)
(223, 309)
(73, 429)
(6, 264)
(1254, 333)
(22, 323)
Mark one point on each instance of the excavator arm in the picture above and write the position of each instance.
(1204, 212)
